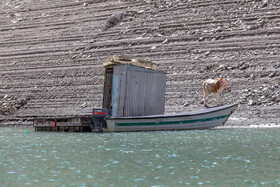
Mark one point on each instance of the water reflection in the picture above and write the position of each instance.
(177, 158)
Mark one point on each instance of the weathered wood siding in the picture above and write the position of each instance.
(118, 90)
(107, 90)
(137, 91)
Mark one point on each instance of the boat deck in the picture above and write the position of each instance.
(64, 124)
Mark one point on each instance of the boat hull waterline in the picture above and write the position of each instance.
(203, 119)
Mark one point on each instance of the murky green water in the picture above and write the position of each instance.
(224, 157)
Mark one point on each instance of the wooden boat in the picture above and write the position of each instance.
(134, 100)
(203, 119)
(101, 121)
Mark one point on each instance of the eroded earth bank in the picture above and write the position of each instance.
(51, 53)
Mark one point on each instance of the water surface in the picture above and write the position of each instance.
(221, 157)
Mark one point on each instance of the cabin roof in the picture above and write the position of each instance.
(125, 59)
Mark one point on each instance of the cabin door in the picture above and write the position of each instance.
(107, 90)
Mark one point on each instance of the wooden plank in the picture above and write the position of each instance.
(119, 90)
(145, 92)
(137, 91)
(125, 59)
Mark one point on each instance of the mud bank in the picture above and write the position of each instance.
(51, 53)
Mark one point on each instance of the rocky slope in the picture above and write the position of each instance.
(51, 53)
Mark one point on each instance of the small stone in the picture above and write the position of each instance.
(221, 67)
(165, 41)
(85, 4)
(219, 29)
(186, 104)
(265, 89)
(264, 4)
(114, 20)
(23, 101)
(271, 75)
(14, 21)
(251, 103)
(141, 11)
(74, 56)
(253, 76)
(6, 105)
(154, 47)
(242, 67)
(200, 39)
(273, 98)
(228, 68)
(17, 106)
(207, 53)
(277, 99)
(158, 34)
(84, 105)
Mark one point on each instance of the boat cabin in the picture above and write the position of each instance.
(133, 87)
